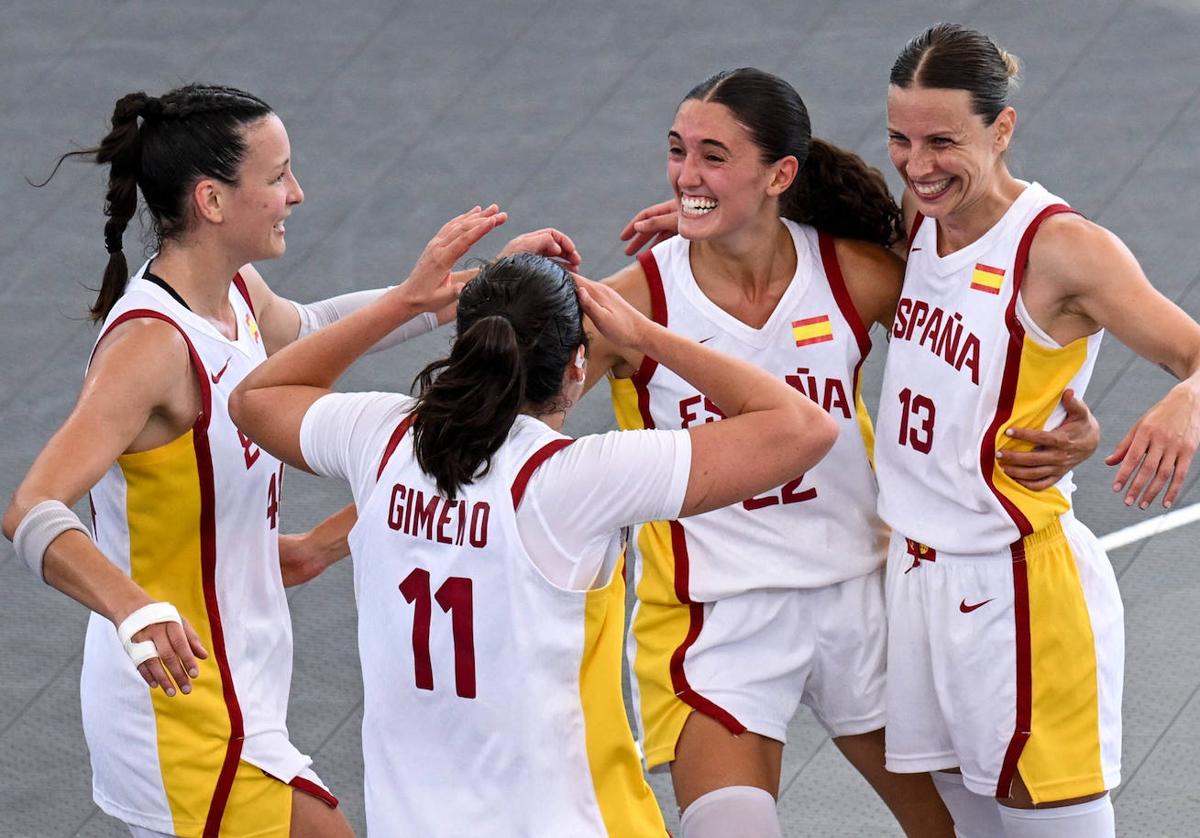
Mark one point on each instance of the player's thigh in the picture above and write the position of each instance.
(709, 757)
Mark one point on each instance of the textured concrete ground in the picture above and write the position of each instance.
(401, 115)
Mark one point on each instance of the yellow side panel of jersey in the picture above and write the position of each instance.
(163, 509)
(1045, 372)
(625, 404)
(626, 801)
(1061, 760)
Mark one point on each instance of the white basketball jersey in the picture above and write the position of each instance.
(815, 530)
(966, 362)
(193, 522)
(491, 697)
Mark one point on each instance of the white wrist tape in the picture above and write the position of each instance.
(147, 615)
(322, 313)
(40, 526)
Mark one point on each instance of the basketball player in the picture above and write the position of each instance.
(782, 259)
(1006, 637)
(185, 562)
(470, 497)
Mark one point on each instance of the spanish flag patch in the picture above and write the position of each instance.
(986, 278)
(252, 327)
(812, 330)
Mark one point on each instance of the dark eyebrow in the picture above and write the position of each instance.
(673, 135)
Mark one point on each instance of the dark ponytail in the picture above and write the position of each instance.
(834, 191)
(840, 194)
(193, 132)
(519, 325)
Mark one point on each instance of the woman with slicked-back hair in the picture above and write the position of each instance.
(1006, 639)
(783, 259)
(183, 563)
(470, 498)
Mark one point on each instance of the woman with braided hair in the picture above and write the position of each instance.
(186, 559)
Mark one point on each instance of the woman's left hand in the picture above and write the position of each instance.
(1054, 452)
(548, 242)
(1159, 447)
(431, 286)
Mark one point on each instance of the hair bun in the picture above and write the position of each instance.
(1012, 65)
(153, 108)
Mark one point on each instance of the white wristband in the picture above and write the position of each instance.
(147, 615)
(40, 526)
(322, 313)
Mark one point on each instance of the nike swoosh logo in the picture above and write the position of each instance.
(707, 339)
(967, 609)
(216, 376)
(914, 250)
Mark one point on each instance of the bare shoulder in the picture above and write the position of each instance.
(1075, 255)
(142, 344)
(260, 293)
(874, 276)
(143, 365)
(630, 282)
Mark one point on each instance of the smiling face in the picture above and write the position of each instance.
(716, 170)
(254, 210)
(949, 159)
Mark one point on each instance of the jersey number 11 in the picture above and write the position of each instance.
(454, 597)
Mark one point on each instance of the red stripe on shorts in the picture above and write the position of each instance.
(679, 681)
(1024, 673)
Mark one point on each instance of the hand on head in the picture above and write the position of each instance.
(616, 319)
(547, 242)
(430, 285)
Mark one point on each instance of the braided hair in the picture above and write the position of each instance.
(163, 146)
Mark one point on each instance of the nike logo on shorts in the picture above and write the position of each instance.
(967, 609)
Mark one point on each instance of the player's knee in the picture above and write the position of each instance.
(733, 810)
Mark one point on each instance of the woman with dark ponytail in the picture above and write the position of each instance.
(186, 561)
(783, 258)
(471, 498)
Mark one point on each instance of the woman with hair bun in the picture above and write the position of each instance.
(1006, 633)
(185, 564)
(488, 554)
(783, 259)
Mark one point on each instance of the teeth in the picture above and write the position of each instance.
(931, 188)
(694, 205)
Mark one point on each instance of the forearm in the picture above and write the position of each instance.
(735, 386)
(74, 565)
(321, 358)
(329, 540)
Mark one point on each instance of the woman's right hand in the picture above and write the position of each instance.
(430, 286)
(651, 226)
(178, 645)
(617, 320)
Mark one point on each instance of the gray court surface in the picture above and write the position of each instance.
(403, 114)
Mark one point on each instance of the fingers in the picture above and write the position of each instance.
(649, 212)
(1146, 470)
(1118, 455)
(178, 646)
(652, 231)
(1037, 458)
(1182, 465)
(194, 642)
(1036, 437)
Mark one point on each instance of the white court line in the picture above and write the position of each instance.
(1151, 528)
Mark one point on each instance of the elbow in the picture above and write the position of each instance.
(238, 409)
(825, 433)
(814, 433)
(12, 518)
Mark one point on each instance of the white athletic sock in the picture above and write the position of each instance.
(975, 816)
(732, 812)
(1093, 819)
